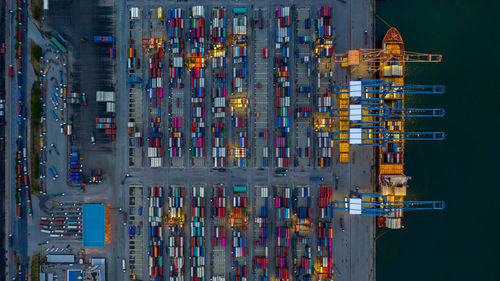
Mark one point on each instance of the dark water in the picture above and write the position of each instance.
(461, 242)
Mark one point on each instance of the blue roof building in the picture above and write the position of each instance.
(94, 225)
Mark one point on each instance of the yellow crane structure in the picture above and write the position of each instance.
(375, 59)
(153, 45)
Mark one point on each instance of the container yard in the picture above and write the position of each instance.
(223, 181)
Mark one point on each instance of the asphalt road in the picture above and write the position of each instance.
(18, 227)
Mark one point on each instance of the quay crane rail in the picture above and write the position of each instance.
(381, 206)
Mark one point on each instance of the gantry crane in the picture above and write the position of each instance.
(153, 45)
(372, 102)
(374, 59)
(383, 112)
(374, 204)
(377, 89)
(379, 136)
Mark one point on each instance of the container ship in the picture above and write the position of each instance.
(392, 180)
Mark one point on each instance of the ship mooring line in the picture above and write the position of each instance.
(380, 18)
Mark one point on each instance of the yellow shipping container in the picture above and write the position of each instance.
(344, 125)
(160, 13)
(344, 158)
(391, 169)
(344, 147)
(344, 103)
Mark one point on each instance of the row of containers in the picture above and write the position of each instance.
(62, 225)
(303, 229)
(260, 261)
(155, 90)
(197, 253)
(325, 97)
(176, 232)
(107, 124)
(304, 89)
(155, 244)
(197, 72)
(175, 74)
(282, 200)
(218, 215)
(218, 53)
(75, 166)
(239, 222)
(134, 131)
(76, 98)
(325, 234)
(239, 98)
(282, 82)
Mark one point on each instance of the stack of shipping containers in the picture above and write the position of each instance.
(155, 245)
(155, 93)
(261, 229)
(197, 71)
(324, 51)
(106, 123)
(239, 100)
(176, 98)
(218, 63)
(282, 90)
(283, 200)
(239, 222)
(303, 231)
(197, 254)
(325, 234)
(219, 232)
(304, 88)
(135, 125)
(176, 232)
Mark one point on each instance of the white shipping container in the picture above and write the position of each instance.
(110, 107)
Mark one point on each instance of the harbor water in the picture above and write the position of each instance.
(461, 242)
